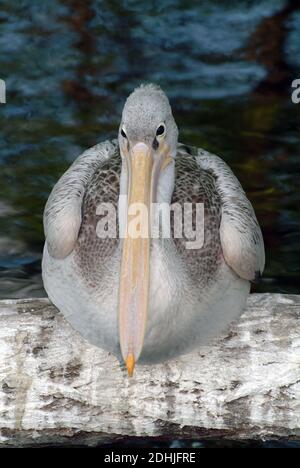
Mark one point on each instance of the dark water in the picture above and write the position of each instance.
(227, 68)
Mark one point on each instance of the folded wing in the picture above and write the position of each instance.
(63, 210)
(240, 234)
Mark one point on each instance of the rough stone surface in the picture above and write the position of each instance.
(56, 388)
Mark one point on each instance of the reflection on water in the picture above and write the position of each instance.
(69, 65)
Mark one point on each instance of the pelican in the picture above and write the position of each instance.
(145, 297)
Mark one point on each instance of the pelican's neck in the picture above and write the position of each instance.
(166, 182)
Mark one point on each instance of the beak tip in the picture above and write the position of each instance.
(130, 363)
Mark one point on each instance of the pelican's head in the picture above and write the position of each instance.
(147, 118)
(148, 142)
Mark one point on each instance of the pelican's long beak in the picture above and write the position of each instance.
(134, 277)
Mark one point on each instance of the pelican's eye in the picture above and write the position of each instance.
(123, 133)
(160, 130)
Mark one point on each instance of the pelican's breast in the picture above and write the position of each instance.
(195, 186)
(96, 248)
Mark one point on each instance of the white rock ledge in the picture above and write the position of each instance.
(55, 388)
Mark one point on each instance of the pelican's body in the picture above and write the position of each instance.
(188, 296)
